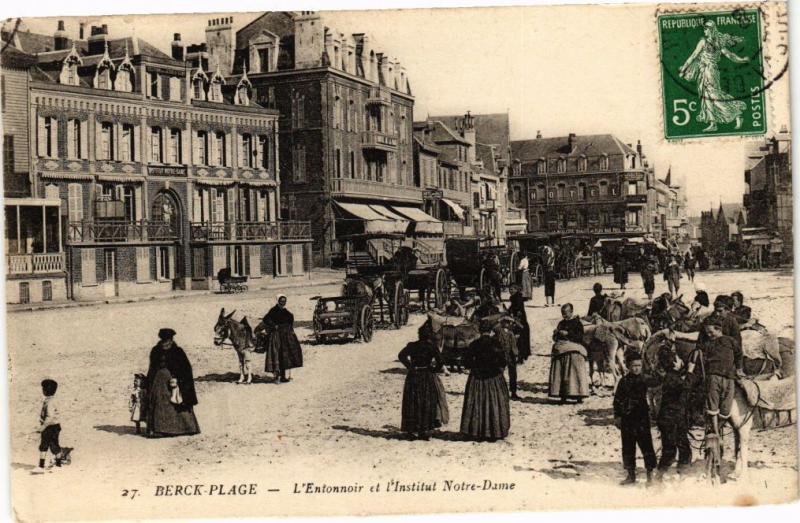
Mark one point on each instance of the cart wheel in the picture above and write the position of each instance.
(538, 275)
(513, 263)
(481, 280)
(365, 323)
(398, 304)
(319, 338)
(441, 291)
(404, 309)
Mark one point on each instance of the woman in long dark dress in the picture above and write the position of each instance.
(486, 413)
(549, 262)
(283, 351)
(424, 401)
(569, 367)
(517, 311)
(621, 270)
(648, 276)
(170, 412)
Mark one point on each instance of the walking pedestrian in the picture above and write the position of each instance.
(690, 265)
(283, 352)
(648, 276)
(170, 389)
(632, 417)
(517, 311)
(549, 267)
(49, 427)
(524, 278)
(672, 275)
(486, 412)
(621, 269)
(424, 405)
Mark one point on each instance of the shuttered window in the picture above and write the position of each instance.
(255, 261)
(297, 259)
(47, 137)
(220, 258)
(142, 264)
(88, 267)
(199, 263)
(75, 203)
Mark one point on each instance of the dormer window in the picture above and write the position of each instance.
(243, 90)
(604, 162)
(69, 69)
(582, 164)
(199, 81)
(102, 75)
(541, 166)
(124, 80)
(562, 165)
(215, 90)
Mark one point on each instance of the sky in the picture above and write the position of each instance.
(555, 70)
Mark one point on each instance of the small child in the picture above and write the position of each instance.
(632, 417)
(49, 427)
(136, 402)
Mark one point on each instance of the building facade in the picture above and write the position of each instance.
(35, 262)
(768, 191)
(720, 227)
(582, 184)
(346, 119)
(164, 171)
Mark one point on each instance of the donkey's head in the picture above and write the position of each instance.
(222, 330)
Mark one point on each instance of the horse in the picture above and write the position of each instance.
(741, 414)
(241, 336)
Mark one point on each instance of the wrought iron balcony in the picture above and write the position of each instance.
(40, 263)
(121, 231)
(249, 231)
(378, 141)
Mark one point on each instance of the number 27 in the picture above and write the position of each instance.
(132, 493)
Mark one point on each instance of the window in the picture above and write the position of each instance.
(246, 150)
(110, 265)
(175, 156)
(88, 267)
(106, 141)
(215, 92)
(603, 189)
(338, 155)
(8, 153)
(155, 84)
(48, 137)
(352, 170)
(604, 162)
(614, 190)
(47, 290)
(126, 144)
(165, 263)
(572, 193)
(237, 267)
(562, 165)
(199, 92)
(24, 292)
(298, 111)
(175, 89)
(582, 164)
(299, 164)
(632, 218)
(74, 139)
(220, 154)
(541, 166)
(632, 189)
(75, 206)
(581, 191)
(534, 195)
(104, 78)
(263, 60)
(562, 191)
(263, 152)
(156, 145)
(123, 80)
(201, 148)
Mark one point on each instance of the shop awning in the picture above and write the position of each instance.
(377, 219)
(423, 223)
(456, 208)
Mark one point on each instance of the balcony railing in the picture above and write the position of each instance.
(370, 189)
(378, 140)
(379, 95)
(121, 231)
(250, 231)
(35, 263)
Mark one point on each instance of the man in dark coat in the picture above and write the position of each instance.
(598, 301)
(632, 417)
(673, 415)
(727, 322)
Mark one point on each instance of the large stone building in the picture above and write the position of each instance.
(164, 172)
(670, 223)
(582, 184)
(720, 227)
(346, 145)
(768, 190)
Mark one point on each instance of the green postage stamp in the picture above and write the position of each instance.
(712, 73)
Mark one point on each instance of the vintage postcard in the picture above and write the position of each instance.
(325, 263)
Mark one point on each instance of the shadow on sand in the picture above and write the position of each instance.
(390, 432)
(120, 430)
(597, 417)
(232, 377)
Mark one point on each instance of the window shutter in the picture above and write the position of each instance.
(75, 202)
(219, 258)
(84, 139)
(197, 206)
(285, 266)
(257, 151)
(70, 139)
(297, 259)
(261, 207)
(137, 195)
(164, 87)
(54, 129)
(41, 135)
(231, 214)
(228, 148)
(242, 159)
(88, 267)
(171, 254)
(214, 206)
(142, 264)
(212, 141)
(255, 261)
(98, 140)
(272, 210)
(137, 144)
(115, 132)
(242, 216)
(196, 137)
(183, 146)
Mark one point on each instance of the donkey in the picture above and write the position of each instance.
(241, 336)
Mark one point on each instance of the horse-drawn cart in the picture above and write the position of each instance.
(342, 317)
(471, 266)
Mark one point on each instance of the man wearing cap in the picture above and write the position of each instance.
(598, 301)
(730, 327)
(721, 371)
(632, 417)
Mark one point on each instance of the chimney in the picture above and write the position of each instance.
(80, 32)
(220, 42)
(639, 147)
(97, 40)
(177, 47)
(538, 134)
(571, 142)
(60, 39)
(468, 133)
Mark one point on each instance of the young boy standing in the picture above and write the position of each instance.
(49, 426)
(632, 417)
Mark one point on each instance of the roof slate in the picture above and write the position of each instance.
(493, 129)
(588, 145)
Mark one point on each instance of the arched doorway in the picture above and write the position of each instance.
(167, 227)
(165, 210)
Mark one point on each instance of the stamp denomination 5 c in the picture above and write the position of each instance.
(712, 73)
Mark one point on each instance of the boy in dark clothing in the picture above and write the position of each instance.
(730, 327)
(632, 417)
(49, 426)
(742, 313)
(720, 367)
(673, 416)
(598, 301)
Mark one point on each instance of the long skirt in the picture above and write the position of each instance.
(487, 412)
(550, 283)
(524, 278)
(283, 350)
(524, 342)
(649, 285)
(424, 402)
(620, 274)
(164, 417)
(569, 376)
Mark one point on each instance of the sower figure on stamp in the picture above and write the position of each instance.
(632, 417)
